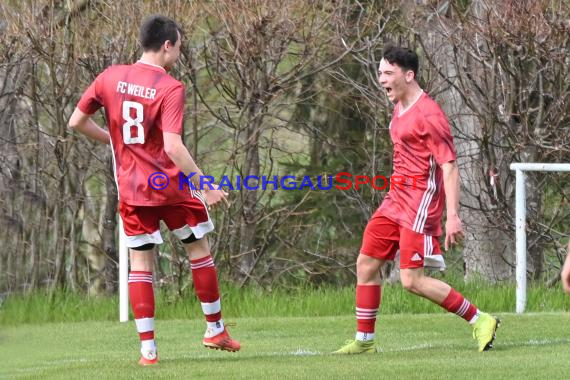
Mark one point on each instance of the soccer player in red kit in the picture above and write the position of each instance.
(409, 218)
(144, 109)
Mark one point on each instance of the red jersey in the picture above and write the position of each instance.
(422, 142)
(141, 101)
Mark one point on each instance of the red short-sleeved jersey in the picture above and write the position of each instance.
(141, 101)
(422, 141)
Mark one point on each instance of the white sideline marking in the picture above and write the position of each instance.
(534, 342)
(52, 363)
(306, 352)
(411, 348)
(302, 352)
(298, 352)
(530, 342)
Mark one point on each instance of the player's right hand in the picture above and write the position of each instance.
(214, 196)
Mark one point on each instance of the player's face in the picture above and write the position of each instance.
(394, 80)
(172, 52)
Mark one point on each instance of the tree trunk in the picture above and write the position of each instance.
(487, 250)
(58, 246)
(110, 271)
(248, 225)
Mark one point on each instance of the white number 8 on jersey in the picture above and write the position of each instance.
(129, 122)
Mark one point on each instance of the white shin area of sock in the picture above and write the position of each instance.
(363, 336)
(475, 318)
(214, 328)
(148, 349)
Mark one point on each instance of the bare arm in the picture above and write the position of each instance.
(178, 153)
(453, 227)
(83, 123)
(451, 185)
(565, 274)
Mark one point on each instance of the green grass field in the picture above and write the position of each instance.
(249, 302)
(413, 346)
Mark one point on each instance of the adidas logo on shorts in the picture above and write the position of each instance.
(416, 257)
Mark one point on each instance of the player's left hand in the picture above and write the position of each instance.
(214, 196)
(453, 231)
(565, 277)
(565, 273)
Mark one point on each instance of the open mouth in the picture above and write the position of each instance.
(388, 90)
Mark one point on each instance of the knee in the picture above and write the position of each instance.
(198, 249)
(143, 309)
(141, 261)
(367, 269)
(411, 283)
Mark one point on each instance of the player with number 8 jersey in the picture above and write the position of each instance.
(141, 102)
(144, 109)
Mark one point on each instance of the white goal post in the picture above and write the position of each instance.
(520, 221)
(123, 275)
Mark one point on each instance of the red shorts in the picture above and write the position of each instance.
(383, 237)
(141, 224)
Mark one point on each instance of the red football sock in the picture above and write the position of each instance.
(367, 304)
(456, 303)
(206, 287)
(141, 295)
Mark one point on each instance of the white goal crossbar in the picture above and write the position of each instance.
(520, 221)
